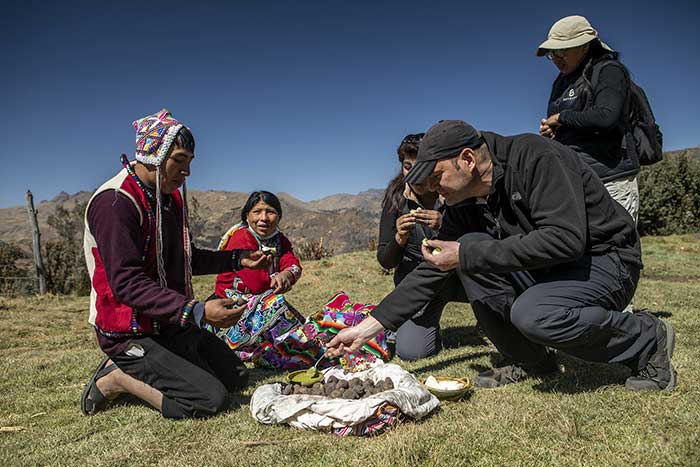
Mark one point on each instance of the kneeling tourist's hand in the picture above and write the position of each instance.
(440, 254)
(351, 339)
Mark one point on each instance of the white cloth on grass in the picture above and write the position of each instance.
(268, 405)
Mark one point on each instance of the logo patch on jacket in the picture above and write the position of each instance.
(571, 95)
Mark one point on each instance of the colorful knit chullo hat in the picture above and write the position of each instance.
(154, 136)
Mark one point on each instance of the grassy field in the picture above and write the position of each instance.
(584, 417)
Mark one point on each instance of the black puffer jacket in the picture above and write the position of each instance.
(593, 119)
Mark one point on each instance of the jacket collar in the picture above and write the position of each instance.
(499, 147)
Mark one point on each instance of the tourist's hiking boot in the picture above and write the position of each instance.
(500, 376)
(659, 374)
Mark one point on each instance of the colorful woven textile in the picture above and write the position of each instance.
(272, 333)
(154, 136)
(259, 335)
(340, 313)
(385, 417)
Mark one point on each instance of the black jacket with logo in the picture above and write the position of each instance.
(592, 119)
(546, 207)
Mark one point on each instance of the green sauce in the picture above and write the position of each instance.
(305, 376)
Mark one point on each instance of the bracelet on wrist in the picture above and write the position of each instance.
(187, 313)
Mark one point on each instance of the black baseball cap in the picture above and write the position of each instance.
(444, 140)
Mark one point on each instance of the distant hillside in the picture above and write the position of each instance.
(370, 200)
(345, 222)
(14, 222)
(693, 153)
(342, 228)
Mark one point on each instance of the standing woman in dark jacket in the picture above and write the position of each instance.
(411, 213)
(587, 106)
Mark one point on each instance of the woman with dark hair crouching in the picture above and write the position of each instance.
(258, 230)
(411, 213)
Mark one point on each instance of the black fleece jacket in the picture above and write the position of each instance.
(546, 207)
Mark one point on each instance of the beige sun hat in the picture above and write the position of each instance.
(572, 31)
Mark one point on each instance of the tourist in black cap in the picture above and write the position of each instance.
(549, 262)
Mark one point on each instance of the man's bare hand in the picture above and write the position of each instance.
(447, 258)
(351, 339)
(255, 259)
(432, 219)
(222, 312)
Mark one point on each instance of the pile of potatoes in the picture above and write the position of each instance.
(336, 388)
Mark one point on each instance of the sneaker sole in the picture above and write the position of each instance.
(670, 347)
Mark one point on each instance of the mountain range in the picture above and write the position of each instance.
(345, 222)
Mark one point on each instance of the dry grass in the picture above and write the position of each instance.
(584, 417)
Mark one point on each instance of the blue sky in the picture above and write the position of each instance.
(309, 98)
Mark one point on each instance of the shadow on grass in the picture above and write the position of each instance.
(458, 336)
(451, 361)
(256, 375)
(580, 376)
(670, 278)
(236, 400)
(659, 313)
(495, 358)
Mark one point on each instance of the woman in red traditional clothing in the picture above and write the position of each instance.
(258, 230)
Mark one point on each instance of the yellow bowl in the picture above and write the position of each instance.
(451, 394)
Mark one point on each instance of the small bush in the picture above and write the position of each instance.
(669, 193)
(14, 278)
(64, 260)
(312, 250)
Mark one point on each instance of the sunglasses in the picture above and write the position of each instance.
(559, 53)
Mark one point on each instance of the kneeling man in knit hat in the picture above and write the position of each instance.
(141, 261)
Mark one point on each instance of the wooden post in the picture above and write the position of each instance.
(36, 243)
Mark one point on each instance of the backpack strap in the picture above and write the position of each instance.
(595, 70)
(598, 66)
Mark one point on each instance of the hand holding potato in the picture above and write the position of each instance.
(440, 254)
(404, 225)
(430, 218)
